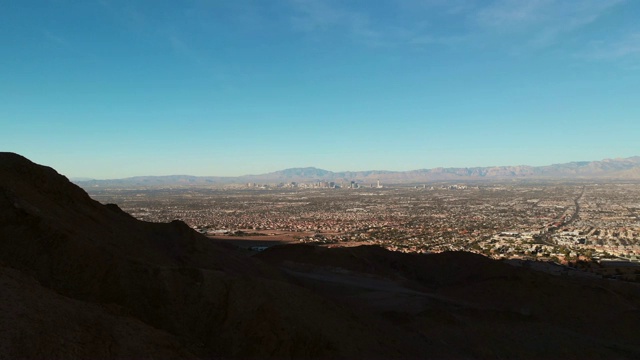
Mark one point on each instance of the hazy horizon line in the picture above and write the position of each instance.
(87, 178)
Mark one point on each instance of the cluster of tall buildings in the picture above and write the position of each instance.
(318, 185)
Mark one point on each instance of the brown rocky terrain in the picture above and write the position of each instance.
(212, 297)
(479, 307)
(79, 279)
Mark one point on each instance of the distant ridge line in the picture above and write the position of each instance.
(618, 169)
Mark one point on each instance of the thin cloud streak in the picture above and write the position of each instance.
(511, 26)
(543, 22)
(181, 48)
(56, 39)
(316, 15)
(520, 25)
(321, 16)
(627, 47)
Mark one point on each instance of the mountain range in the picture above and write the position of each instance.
(613, 169)
(85, 280)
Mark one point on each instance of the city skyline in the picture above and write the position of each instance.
(114, 89)
(618, 168)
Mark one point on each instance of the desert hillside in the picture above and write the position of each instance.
(79, 279)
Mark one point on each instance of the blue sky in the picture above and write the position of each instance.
(110, 89)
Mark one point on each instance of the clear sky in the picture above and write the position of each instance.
(110, 89)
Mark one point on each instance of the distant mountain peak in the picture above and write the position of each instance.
(619, 168)
(304, 172)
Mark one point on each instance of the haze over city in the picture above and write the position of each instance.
(111, 89)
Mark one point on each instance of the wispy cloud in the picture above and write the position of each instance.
(136, 21)
(428, 39)
(311, 15)
(627, 47)
(513, 26)
(56, 39)
(318, 15)
(450, 7)
(529, 24)
(541, 22)
(511, 13)
(181, 48)
(363, 27)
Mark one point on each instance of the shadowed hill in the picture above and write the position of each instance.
(486, 308)
(36, 322)
(212, 297)
(444, 269)
(79, 279)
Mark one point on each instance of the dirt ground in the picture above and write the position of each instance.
(268, 239)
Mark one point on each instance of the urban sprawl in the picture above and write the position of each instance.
(591, 227)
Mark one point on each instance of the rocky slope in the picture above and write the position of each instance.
(478, 307)
(213, 298)
(79, 279)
